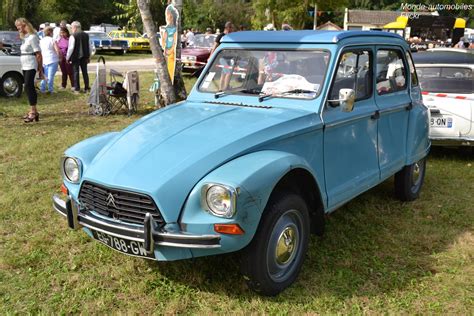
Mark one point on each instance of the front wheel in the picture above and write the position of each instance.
(11, 85)
(409, 180)
(274, 258)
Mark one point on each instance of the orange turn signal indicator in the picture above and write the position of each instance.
(229, 229)
(64, 189)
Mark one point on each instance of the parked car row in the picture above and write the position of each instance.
(104, 43)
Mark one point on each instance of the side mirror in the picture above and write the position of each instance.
(346, 100)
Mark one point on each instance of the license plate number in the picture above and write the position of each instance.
(441, 121)
(129, 247)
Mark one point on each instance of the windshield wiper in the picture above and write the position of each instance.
(271, 95)
(222, 93)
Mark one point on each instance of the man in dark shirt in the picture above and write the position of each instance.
(78, 53)
(229, 28)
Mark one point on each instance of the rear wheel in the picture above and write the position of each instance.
(274, 258)
(409, 180)
(11, 85)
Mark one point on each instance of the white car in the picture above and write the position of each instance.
(447, 83)
(11, 75)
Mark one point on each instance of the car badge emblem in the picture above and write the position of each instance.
(111, 200)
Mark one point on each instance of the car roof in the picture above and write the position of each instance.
(443, 57)
(305, 36)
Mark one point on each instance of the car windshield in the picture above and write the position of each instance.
(446, 79)
(203, 41)
(99, 35)
(130, 34)
(277, 73)
(9, 36)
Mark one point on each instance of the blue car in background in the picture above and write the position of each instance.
(104, 43)
(280, 129)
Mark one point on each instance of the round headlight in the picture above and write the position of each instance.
(72, 170)
(220, 200)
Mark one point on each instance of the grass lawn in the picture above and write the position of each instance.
(378, 256)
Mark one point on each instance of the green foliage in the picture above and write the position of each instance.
(202, 14)
(296, 13)
(128, 13)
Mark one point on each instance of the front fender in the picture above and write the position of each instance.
(254, 176)
(86, 151)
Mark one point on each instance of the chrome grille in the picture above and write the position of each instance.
(118, 204)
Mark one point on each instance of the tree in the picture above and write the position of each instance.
(293, 12)
(166, 88)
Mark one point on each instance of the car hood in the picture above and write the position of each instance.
(167, 152)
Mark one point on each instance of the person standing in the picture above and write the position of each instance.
(50, 52)
(31, 61)
(78, 54)
(57, 30)
(226, 63)
(66, 68)
(190, 37)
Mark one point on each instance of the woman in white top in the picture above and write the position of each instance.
(31, 61)
(50, 52)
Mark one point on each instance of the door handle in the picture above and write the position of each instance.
(376, 115)
(409, 106)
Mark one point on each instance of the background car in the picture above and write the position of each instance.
(12, 41)
(447, 82)
(135, 40)
(104, 43)
(11, 77)
(194, 57)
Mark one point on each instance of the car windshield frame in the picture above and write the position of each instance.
(281, 94)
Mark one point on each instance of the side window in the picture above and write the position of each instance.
(353, 72)
(413, 75)
(391, 73)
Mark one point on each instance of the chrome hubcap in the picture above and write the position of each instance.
(416, 173)
(10, 86)
(286, 246)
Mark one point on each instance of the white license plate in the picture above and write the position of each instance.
(441, 121)
(129, 247)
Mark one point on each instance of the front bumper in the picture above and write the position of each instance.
(149, 234)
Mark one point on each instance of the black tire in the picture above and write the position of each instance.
(11, 85)
(274, 258)
(409, 180)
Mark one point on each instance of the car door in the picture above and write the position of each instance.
(350, 138)
(394, 103)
